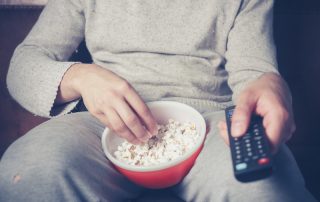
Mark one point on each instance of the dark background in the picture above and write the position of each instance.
(297, 36)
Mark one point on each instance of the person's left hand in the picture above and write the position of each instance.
(269, 97)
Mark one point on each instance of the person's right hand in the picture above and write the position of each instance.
(112, 100)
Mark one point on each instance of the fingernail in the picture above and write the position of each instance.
(145, 139)
(155, 131)
(237, 129)
(149, 134)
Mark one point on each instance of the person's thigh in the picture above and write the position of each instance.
(62, 160)
(212, 179)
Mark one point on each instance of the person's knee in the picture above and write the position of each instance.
(36, 155)
(49, 148)
(43, 158)
(22, 179)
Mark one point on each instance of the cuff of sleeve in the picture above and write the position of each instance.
(63, 109)
(53, 83)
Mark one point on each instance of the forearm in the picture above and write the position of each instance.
(33, 83)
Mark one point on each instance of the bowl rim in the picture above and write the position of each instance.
(165, 165)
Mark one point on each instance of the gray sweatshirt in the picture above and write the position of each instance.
(197, 52)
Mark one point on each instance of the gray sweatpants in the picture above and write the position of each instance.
(62, 160)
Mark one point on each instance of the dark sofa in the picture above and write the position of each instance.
(297, 35)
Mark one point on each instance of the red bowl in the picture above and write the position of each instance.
(165, 174)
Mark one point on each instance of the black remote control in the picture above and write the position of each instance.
(251, 156)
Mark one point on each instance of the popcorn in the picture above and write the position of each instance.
(172, 141)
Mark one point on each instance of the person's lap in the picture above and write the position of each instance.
(62, 159)
(212, 179)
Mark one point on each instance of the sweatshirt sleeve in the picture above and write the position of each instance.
(40, 61)
(250, 48)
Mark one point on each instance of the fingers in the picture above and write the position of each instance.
(242, 114)
(276, 129)
(279, 127)
(114, 102)
(132, 121)
(117, 125)
(142, 110)
(273, 131)
(223, 131)
(269, 97)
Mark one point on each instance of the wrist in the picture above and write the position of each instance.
(75, 76)
(70, 84)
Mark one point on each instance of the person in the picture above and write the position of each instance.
(209, 54)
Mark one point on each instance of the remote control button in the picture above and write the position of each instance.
(241, 166)
(249, 153)
(255, 157)
(247, 136)
(238, 161)
(263, 161)
(238, 156)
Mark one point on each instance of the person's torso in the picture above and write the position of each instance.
(165, 49)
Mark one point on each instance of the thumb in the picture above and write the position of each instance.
(242, 114)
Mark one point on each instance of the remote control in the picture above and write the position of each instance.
(251, 156)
